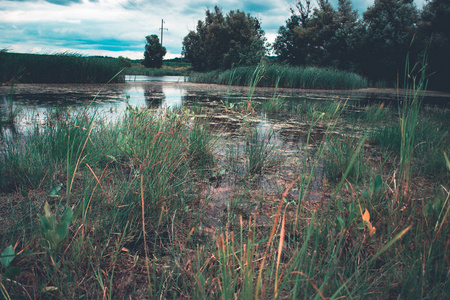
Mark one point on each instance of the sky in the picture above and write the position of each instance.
(119, 27)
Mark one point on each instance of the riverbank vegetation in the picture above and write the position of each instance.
(284, 76)
(58, 68)
(174, 203)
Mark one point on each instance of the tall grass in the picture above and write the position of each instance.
(258, 150)
(274, 104)
(418, 138)
(8, 113)
(292, 77)
(58, 68)
(338, 157)
(409, 111)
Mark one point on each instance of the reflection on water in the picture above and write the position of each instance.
(37, 101)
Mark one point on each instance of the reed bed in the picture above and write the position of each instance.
(58, 68)
(286, 77)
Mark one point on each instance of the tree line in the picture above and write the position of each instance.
(374, 44)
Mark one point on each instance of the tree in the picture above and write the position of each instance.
(305, 38)
(223, 41)
(124, 61)
(390, 27)
(434, 31)
(322, 29)
(154, 52)
(293, 40)
(344, 47)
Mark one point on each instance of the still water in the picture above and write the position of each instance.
(169, 91)
(35, 102)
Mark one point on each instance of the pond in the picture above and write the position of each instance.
(36, 102)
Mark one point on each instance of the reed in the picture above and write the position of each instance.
(292, 77)
(8, 113)
(258, 150)
(58, 68)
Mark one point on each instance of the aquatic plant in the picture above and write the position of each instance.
(276, 103)
(338, 156)
(292, 77)
(258, 150)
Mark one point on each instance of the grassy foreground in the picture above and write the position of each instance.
(285, 76)
(92, 209)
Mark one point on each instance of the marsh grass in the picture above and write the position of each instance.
(201, 144)
(337, 158)
(259, 150)
(58, 68)
(291, 77)
(8, 113)
(275, 104)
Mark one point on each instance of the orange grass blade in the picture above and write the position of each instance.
(272, 233)
(280, 249)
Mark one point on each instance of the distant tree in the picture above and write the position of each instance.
(434, 31)
(154, 52)
(124, 61)
(345, 45)
(390, 26)
(322, 29)
(306, 37)
(223, 41)
(294, 39)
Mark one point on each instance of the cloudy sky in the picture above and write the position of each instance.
(119, 27)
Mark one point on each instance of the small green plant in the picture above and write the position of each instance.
(258, 150)
(54, 232)
(7, 256)
(375, 187)
(347, 214)
(338, 157)
(6, 259)
(274, 105)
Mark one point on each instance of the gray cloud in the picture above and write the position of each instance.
(116, 28)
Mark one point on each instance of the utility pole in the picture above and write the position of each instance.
(162, 30)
